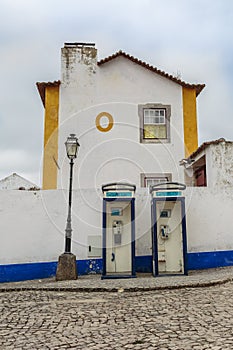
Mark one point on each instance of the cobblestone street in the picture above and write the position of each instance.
(187, 318)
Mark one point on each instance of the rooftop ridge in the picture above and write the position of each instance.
(197, 87)
(206, 144)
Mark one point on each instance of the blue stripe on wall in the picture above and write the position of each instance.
(30, 271)
(206, 260)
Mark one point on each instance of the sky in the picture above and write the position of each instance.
(189, 38)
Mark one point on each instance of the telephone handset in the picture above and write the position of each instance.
(117, 229)
(164, 231)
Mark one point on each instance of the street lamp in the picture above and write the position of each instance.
(72, 147)
(67, 268)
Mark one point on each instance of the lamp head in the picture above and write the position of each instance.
(72, 146)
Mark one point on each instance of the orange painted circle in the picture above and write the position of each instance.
(110, 121)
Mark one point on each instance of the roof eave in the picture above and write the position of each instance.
(206, 144)
(41, 86)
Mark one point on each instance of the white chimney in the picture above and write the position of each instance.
(78, 63)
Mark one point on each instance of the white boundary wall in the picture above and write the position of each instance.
(32, 224)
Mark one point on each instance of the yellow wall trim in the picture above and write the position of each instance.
(190, 120)
(50, 166)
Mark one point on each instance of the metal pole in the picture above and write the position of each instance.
(68, 224)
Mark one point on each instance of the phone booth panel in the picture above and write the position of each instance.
(169, 244)
(118, 231)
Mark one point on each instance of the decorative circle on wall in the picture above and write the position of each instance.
(109, 123)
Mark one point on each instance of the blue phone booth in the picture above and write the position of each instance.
(169, 242)
(118, 230)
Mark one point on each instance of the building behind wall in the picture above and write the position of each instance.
(211, 165)
(134, 121)
(17, 182)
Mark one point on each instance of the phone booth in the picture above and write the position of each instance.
(118, 230)
(169, 243)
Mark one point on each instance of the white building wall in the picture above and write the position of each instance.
(32, 224)
(14, 182)
(220, 164)
(117, 87)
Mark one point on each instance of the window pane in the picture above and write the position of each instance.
(150, 181)
(162, 120)
(162, 112)
(152, 112)
(155, 132)
(146, 112)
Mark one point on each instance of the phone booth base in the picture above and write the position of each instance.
(169, 243)
(118, 233)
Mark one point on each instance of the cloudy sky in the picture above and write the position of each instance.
(191, 38)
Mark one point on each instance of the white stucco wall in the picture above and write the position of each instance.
(32, 224)
(209, 218)
(117, 87)
(219, 164)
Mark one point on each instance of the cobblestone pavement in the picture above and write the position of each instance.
(93, 283)
(175, 319)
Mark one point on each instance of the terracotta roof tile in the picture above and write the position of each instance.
(205, 145)
(197, 87)
(41, 88)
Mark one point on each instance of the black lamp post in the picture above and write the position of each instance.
(67, 268)
(72, 147)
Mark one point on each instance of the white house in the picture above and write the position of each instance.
(16, 182)
(134, 122)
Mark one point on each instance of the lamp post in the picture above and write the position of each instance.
(66, 269)
(72, 147)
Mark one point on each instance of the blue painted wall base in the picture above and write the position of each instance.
(207, 260)
(30, 271)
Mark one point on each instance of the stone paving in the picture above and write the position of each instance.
(144, 282)
(164, 319)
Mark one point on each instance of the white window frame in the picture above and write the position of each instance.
(158, 177)
(152, 118)
(154, 107)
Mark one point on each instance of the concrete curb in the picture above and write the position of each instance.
(191, 284)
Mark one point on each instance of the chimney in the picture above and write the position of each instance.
(78, 63)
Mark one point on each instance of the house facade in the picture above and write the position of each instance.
(134, 122)
(137, 124)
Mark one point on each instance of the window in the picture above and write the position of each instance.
(151, 179)
(154, 123)
(199, 172)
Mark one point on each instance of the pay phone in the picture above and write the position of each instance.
(117, 230)
(169, 244)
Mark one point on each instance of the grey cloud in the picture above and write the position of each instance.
(190, 37)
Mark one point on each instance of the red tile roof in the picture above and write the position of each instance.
(41, 88)
(197, 87)
(205, 145)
